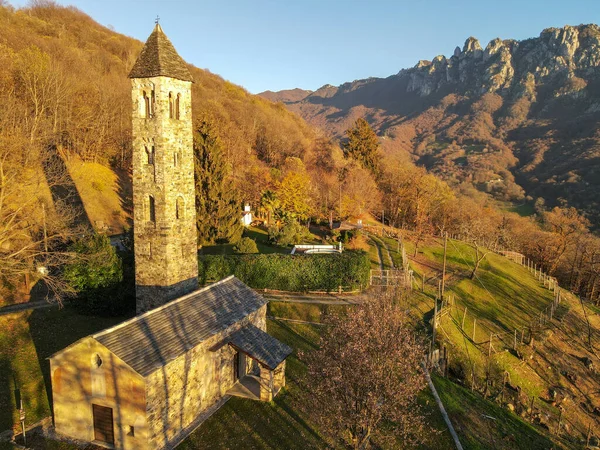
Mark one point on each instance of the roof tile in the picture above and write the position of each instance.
(152, 340)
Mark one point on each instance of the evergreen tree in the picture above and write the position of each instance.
(218, 211)
(363, 145)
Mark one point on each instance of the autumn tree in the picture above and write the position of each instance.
(362, 145)
(360, 193)
(269, 203)
(566, 224)
(366, 373)
(294, 190)
(218, 209)
(415, 198)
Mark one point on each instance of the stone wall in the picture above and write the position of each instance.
(166, 247)
(182, 390)
(271, 382)
(80, 379)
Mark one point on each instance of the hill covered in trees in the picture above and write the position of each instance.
(65, 136)
(65, 150)
(517, 119)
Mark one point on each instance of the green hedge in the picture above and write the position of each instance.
(297, 273)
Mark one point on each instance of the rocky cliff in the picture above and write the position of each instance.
(517, 119)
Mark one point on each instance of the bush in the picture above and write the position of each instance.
(246, 245)
(297, 273)
(290, 234)
(103, 283)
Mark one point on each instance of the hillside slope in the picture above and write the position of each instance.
(516, 119)
(63, 80)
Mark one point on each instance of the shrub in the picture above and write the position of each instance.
(290, 234)
(103, 283)
(246, 245)
(298, 273)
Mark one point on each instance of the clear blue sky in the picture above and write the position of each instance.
(268, 44)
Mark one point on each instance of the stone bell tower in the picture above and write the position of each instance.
(164, 211)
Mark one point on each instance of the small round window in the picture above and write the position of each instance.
(97, 361)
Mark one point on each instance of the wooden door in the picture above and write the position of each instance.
(236, 366)
(103, 424)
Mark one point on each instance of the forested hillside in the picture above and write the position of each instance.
(518, 119)
(65, 150)
(65, 136)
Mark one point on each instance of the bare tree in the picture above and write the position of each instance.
(33, 233)
(366, 372)
(481, 230)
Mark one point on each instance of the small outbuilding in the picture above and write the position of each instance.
(247, 216)
(150, 381)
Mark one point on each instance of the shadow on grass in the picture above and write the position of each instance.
(483, 424)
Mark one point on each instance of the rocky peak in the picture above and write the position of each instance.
(508, 64)
(472, 46)
(492, 48)
(562, 41)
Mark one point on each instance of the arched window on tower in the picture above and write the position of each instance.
(177, 102)
(179, 208)
(171, 106)
(149, 154)
(151, 209)
(145, 104)
(152, 103)
(176, 159)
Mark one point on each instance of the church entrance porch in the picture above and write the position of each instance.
(246, 387)
(263, 387)
(267, 374)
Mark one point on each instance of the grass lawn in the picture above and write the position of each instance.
(281, 424)
(102, 192)
(503, 296)
(374, 254)
(523, 209)
(482, 424)
(243, 423)
(303, 311)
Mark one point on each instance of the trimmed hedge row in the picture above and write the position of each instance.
(296, 273)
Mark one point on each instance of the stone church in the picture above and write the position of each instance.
(148, 382)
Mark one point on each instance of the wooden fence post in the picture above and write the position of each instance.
(474, 327)
(462, 325)
(531, 408)
(589, 435)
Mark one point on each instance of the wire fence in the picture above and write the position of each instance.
(555, 413)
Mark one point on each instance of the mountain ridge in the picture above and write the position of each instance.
(526, 113)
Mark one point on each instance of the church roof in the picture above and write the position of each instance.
(151, 340)
(159, 58)
(260, 345)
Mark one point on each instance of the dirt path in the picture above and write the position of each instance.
(389, 254)
(375, 241)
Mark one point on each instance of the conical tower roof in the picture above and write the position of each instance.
(159, 58)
